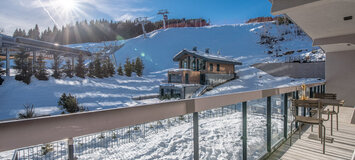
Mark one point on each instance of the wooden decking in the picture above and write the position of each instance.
(307, 149)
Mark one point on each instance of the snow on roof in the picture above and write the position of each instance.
(207, 56)
(177, 85)
(179, 69)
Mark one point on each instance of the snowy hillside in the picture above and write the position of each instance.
(241, 42)
(158, 50)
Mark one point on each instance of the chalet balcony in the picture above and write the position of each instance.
(184, 76)
(254, 124)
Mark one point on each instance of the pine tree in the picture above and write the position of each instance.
(110, 67)
(16, 33)
(57, 73)
(70, 104)
(139, 67)
(128, 68)
(119, 70)
(98, 67)
(80, 69)
(91, 70)
(36, 33)
(68, 69)
(133, 66)
(41, 73)
(104, 69)
(24, 67)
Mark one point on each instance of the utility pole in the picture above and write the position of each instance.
(165, 13)
(142, 21)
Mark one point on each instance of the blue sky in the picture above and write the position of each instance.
(47, 13)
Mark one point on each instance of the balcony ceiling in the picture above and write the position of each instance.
(322, 20)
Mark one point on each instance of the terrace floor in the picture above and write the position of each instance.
(343, 146)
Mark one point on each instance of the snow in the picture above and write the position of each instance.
(158, 50)
(255, 79)
(180, 69)
(237, 42)
(220, 132)
(92, 93)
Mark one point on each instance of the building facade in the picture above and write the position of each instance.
(200, 69)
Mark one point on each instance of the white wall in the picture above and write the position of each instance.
(340, 75)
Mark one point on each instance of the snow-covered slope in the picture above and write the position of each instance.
(240, 42)
(158, 50)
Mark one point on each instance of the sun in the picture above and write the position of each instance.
(65, 5)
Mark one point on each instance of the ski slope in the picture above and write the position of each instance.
(241, 40)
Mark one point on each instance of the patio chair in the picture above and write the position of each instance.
(332, 112)
(313, 104)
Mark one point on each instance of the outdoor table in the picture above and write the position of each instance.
(331, 102)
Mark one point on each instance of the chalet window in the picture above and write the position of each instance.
(194, 65)
(203, 65)
(188, 62)
(185, 64)
(211, 67)
(217, 67)
(198, 65)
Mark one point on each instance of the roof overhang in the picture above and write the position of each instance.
(327, 22)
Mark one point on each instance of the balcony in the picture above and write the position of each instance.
(184, 76)
(247, 125)
(304, 148)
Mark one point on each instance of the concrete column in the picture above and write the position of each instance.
(245, 131)
(195, 136)
(34, 59)
(7, 62)
(70, 149)
(285, 115)
(339, 75)
(268, 123)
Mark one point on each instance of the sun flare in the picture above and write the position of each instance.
(65, 5)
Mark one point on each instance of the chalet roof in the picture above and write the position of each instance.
(206, 56)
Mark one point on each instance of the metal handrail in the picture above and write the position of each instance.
(15, 156)
(22, 133)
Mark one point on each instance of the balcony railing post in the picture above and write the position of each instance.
(310, 96)
(245, 145)
(15, 156)
(268, 123)
(297, 97)
(195, 135)
(285, 114)
(323, 86)
(318, 89)
(70, 149)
